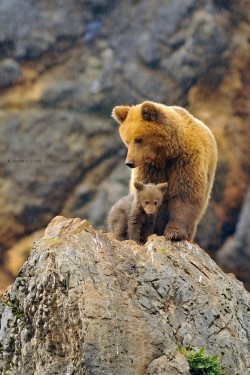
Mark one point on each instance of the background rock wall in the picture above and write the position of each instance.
(65, 65)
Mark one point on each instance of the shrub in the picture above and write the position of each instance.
(202, 364)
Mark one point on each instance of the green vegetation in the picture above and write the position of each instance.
(98, 66)
(202, 364)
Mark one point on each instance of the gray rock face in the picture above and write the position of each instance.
(234, 255)
(180, 50)
(86, 304)
(33, 28)
(9, 72)
(50, 166)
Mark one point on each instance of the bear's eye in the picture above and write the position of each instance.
(138, 140)
(146, 202)
(155, 203)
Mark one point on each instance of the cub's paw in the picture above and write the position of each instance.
(175, 233)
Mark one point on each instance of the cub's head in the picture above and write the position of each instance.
(149, 196)
(143, 130)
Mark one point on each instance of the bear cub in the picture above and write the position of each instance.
(133, 216)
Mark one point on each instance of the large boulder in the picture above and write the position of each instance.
(65, 68)
(85, 303)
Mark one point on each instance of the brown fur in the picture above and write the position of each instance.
(169, 144)
(133, 216)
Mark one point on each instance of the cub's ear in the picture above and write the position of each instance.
(120, 113)
(149, 111)
(139, 186)
(162, 187)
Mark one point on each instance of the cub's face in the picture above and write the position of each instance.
(150, 203)
(149, 196)
(140, 131)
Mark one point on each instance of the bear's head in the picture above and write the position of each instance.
(149, 132)
(149, 196)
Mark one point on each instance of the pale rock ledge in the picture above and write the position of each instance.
(84, 303)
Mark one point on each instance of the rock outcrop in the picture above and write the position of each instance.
(64, 66)
(85, 303)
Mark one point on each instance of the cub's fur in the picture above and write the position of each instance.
(133, 216)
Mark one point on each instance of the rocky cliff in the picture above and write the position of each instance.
(65, 65)
(84, 303)
(234, 255)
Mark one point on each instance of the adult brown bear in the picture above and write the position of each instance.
(168, 144)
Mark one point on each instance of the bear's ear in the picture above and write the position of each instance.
(120, 113)
(162, 187)
(149, 111)
(139, 186)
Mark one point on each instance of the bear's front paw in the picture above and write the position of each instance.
(175, 233)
